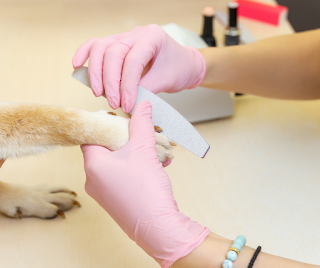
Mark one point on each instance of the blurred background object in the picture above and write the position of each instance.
(232, 32)
(303, 14)
(207, 31)
(273, 14)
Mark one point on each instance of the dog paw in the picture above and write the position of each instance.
(164, 146)
(119, 129)
(46, 202)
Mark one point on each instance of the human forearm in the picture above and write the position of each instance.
(285, 67)
(212, 252)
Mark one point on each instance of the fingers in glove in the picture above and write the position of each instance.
(83, 53)
(141, 129)
(133, 68)
(112, 71)
(95, 66)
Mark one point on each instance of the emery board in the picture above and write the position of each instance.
(174, 125)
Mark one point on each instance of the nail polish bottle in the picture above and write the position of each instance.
(207, 32)
(232, 33)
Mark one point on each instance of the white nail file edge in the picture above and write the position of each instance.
(174, 125)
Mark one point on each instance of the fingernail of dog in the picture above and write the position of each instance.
(73, 193)
(1, 162)
(173, 143)
(158, 129)
(19, 213)
(112, 113)
(76, 203)
(61, 214)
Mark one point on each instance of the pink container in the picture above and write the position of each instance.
(273, 14)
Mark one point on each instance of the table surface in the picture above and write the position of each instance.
(260, 178)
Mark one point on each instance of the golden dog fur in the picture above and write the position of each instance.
(27, 129)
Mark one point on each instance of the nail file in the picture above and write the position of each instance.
(174, 125)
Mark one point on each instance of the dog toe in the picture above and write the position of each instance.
(44, 202)
(19, 214)
(158, 129)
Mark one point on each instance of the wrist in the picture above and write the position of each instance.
(210, 254)
(217, 61)
(177, 232)
(200, 65)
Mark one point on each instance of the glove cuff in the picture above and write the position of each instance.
(202, 63)
(169, 237)
(184, 251)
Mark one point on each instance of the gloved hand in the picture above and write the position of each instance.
(132, 186)
(118, 62)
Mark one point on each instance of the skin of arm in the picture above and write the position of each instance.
(282, 67)
(212, 252)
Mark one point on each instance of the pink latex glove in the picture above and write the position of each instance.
(132, 186)
(118, 62)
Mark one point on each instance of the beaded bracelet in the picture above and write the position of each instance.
(255, 255)
(234, 251)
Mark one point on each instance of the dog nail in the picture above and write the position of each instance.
(173, 143)
(1, 162)
(19, 213)
(112, 113)
(158, 129)
(61, 214)
(73, 193)
(76, 203)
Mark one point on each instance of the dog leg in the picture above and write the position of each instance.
(27, 129)
(18, 201)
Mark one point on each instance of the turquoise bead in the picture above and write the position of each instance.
(232, 256)
(242, 239)
(227, 264)
(239, 242)
(237, 245)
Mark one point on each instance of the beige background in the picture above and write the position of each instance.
(260, 178)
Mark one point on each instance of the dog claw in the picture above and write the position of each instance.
(19, 213)
(173, 143)
(61, 214)
(73, 193)
(76, 203)
(112, 113)
(158, 129)
(1, 162)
